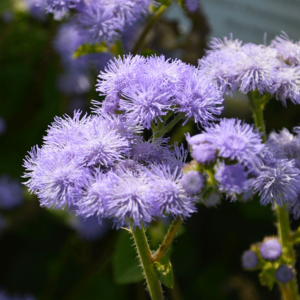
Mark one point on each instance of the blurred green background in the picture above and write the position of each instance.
(42, 253)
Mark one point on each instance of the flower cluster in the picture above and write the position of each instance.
(98, 165)
(270, 69)
(268, 257)
(147, 89)
(277, 179)
(229, 151)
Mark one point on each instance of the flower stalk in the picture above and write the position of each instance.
(168, 239)
(288, 290)
(144, 253)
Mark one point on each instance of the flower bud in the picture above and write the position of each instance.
(249, 260)
(284, 273)
(270, 249)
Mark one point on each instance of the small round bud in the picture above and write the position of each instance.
(204, 153)
(249, 260)
(284, 274)
(270, 249)
(192, 182)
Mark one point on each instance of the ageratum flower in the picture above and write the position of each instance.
(59, 172)
(168, 194)
(55, 177)
(288, 81)
(234, 139)
(130, 200)
(249, 260)
(98, 23)
(198, 99)
(257, 69)
(192, 182)
(232, 179)
(11, 193)
(92, 141)
(192, 5)
(285, 145)
(278, 181)
(284, 273)
(60, 8)
(220, 66)
(119, 74)
(151, 152)
(286, 49)
(66, 42)
(270, 249)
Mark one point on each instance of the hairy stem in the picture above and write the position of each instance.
(257, 107)
(146, 30)
(288, 290)
(163, 248)
(161, 131)
(153, 284)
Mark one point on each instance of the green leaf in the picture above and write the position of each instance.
(164, 272)
(87, 49)
(267, 275)
(126, 267)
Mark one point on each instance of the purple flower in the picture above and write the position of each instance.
(270, 249)
(234, 139)
(11, 193)
(60, 8)
(168, 194)
(98, 193)
(278, 181)
(119, 73)
(288, 84)
(204, 153)
(147, 152)
(284, 145)
(286, 49)
(98, 22)
(284, 273)
(131, 201)
(37, 9)
(192, 182)
(220, 64)
(232, 179)
(55, 177)
(192, 5)
(66, 42)
(145, 102)
(92, 141)
(199, 98)
(258, 69)
(249, 260)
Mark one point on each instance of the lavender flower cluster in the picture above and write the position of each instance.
(99, 164)
(270, 69)
(270, 250)
(146, 89)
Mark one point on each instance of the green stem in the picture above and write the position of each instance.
(257, 107)
(163, 248)
(289, 290)
(146, 30)
(159, 133)
(144, 253)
